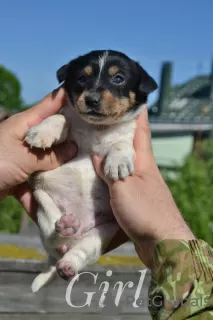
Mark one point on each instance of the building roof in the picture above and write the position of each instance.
(188, 106)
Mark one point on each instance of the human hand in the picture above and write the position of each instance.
(142, 204)
(18, 161)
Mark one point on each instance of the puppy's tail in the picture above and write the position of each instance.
(44, 278)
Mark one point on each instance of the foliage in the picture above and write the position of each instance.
(10, 90)
(10, 215)
(192, 189)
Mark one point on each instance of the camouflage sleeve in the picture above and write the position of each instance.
(182, 281)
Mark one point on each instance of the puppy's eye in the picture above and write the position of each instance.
(118, 79)
(82, 79)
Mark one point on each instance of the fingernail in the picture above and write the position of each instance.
(58, 93)
(55, 91)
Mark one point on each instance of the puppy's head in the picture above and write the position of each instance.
(106, 86)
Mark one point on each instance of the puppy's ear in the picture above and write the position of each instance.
(146, 83)
(62, 73)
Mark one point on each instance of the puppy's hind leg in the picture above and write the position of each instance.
(87, 250)
(46, 276)
(48, 214)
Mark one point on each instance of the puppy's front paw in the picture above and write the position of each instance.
(119, 162)
(40, 136)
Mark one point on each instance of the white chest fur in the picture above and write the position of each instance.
(75, 189)
(90, 138)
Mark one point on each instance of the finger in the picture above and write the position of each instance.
(55, 157)
(97, 161)
(22, 121)
(143, 143)
(49, 106)
(98, 165)
(24, 195)
(142, 140)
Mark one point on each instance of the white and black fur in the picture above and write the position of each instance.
(106, 91)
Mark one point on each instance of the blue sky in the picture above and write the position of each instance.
(39, 36)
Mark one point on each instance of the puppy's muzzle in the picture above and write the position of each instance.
(93, 101)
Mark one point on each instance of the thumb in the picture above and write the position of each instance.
(98, 165)
(49, 106)
(142, 139)
(143, 143)
(24, 195)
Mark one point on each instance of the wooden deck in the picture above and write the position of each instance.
(22, 258)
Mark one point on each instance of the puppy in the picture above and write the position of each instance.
(106, 91)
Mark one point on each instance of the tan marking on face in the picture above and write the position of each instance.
(111, 107)
(80, 102)
(132, 98)
(114, 107)
(108, 98)
(88, 70)
(113, 70)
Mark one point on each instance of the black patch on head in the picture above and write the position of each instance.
(147, 83)
(137, 80)
(62, 73)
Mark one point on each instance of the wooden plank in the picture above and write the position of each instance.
(71, 316)
(16, 295)
(16, 276)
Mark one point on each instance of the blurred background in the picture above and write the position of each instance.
(173, 41)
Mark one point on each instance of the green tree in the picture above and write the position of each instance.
(192, 189)
(10, 90)
(11, 213)
(10, 98)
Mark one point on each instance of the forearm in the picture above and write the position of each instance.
(181, 285)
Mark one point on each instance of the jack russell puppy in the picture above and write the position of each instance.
(106, 91)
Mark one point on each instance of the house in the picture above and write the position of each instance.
(181, 118)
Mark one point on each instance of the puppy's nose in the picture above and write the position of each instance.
(93, 100)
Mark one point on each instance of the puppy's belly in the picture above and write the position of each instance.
(76, 189)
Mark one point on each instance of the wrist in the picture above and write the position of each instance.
(146, 247)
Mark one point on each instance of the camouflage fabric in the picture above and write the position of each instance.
(181, 286)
